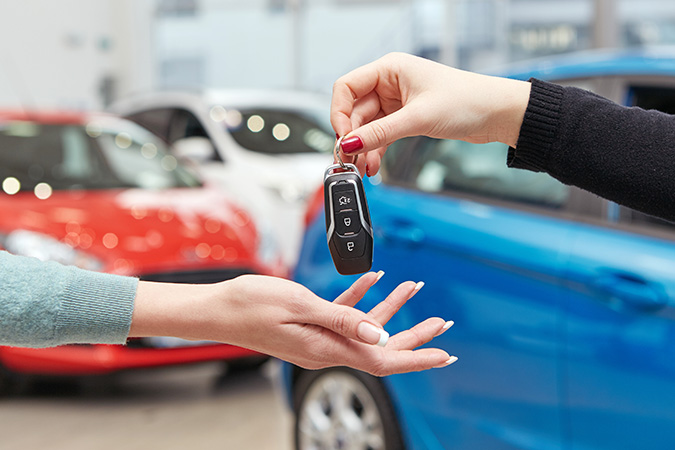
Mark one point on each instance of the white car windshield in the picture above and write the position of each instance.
(279, 131)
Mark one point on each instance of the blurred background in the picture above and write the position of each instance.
(97, 52)
(185, 140)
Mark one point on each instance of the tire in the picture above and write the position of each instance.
(340, 408)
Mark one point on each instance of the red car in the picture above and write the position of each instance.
(101, 193)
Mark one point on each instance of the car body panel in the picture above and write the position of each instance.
(502, 290)
(153, 231)
(105, 359)
(619, 387)
(478, 268)
(619, 328)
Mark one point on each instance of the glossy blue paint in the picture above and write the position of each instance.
(549, 359)
(595, 63)
(501, 289)
(565, 331)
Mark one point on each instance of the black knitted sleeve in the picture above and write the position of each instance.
(624, 154)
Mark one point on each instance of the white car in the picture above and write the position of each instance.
(267, 147)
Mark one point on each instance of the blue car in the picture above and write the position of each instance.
(564, 303)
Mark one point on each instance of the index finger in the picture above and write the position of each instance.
(346, 91)
(358, 289)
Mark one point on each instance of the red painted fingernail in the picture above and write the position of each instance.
(352, 144)
(337, 136)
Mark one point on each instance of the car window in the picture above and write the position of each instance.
(95, 156)
(155, 120)
(184, 124)
(280, 132)
(137, 158)
(438, 165)
(651, 97)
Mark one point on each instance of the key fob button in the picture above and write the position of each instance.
(353, 246)
(347, 222)
(344, 199)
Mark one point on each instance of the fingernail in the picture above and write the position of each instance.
(337, 136)
(352, 144)
(367, 171)
(414, 292)
(446, 327)
(447, 363)
(369, 333)
(380, 274)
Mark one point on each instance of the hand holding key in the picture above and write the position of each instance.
(402, 95)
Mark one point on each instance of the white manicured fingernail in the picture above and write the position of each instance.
(419, 285)
(451, 360)
(446, 326)
(369, 333)
(384, 338)
(380, 274)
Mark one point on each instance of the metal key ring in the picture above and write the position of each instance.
(336, 153)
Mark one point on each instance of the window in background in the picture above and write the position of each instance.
(455, 166)
(177, 8)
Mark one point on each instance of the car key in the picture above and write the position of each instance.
(348, 227)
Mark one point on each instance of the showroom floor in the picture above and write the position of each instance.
(176, 408)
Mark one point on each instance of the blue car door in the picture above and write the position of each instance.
(495, 268)
(620, 336)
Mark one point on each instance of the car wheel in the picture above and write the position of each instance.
(344, 409)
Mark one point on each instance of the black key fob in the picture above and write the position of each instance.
(348, 227)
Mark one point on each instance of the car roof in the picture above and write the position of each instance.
(645, 61)
(263, 96)
(229, 98)
(53, 117)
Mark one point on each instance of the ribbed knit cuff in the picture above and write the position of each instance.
(96, 308)
(540, 125)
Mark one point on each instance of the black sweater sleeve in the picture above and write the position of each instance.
(626, 155)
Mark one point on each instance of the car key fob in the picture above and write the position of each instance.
(348, 227)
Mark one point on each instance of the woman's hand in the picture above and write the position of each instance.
(286, 320)
(401, 95)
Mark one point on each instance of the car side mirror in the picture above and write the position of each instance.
(197, 149)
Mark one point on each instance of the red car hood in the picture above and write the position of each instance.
(136, 232)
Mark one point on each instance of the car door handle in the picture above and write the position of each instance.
(632, 290)
(401, 231)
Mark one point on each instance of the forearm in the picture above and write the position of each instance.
(626, 155)
(46, 304)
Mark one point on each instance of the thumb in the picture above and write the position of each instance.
(348, 322)
(381, 132)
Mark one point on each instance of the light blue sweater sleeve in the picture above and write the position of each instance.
(43, 304)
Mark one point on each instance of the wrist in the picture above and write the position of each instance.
(509, 112)
(171, 309)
